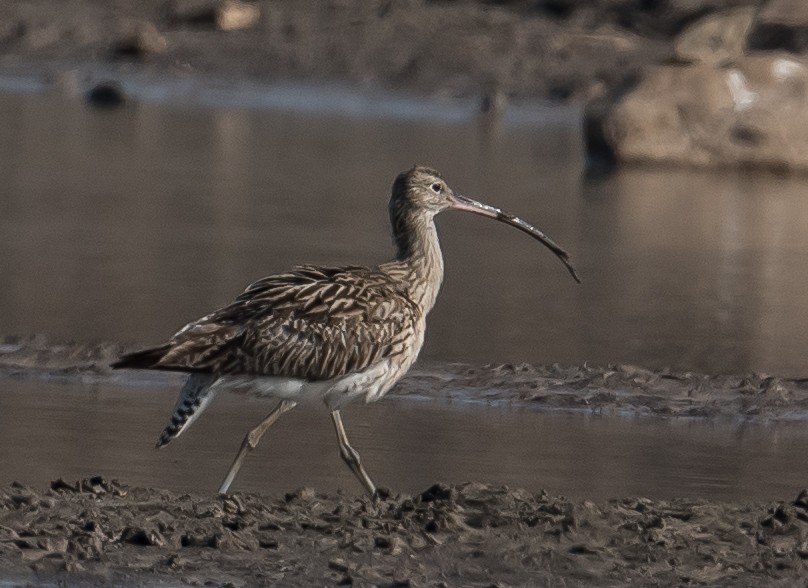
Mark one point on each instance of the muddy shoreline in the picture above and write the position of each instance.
(99, 532)
(604, 390)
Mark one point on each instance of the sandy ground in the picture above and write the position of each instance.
(98, 532)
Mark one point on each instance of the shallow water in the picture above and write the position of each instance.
(72, 431)
(125, 224)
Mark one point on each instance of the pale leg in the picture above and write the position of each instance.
(251, 441)
(350, 456)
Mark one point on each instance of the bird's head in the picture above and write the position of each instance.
(422, 192)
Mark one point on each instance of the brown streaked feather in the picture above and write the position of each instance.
(313, 323)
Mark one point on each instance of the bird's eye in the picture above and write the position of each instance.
(436, 188)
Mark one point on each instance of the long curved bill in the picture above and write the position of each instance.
(460, 202)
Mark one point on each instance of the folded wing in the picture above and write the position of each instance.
(312, 323)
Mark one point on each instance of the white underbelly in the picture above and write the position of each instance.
(372, 384)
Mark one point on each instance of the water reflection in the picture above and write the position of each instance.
(712, 268)
(123, 225)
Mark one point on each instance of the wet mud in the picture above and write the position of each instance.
(98, 532)
(611, 389)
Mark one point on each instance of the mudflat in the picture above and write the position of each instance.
(610, 389)
(97, 531)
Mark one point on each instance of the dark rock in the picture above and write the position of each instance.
(781, 24)
(61, 486)
(106, 95)
(200, 540)
(381, 542)
(267, 542)
(26, 543)
(141, 536)
(436, 492)
(338, 565)
(802, 500)
(581, 549)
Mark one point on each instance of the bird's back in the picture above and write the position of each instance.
(312, 323)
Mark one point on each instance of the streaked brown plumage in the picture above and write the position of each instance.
(313, 323)
(329, 334)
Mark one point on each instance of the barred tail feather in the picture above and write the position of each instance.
(145, 359)
(194, 398)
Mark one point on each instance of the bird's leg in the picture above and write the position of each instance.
(350, 456)
(251, 440)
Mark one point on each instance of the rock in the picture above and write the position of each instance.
(143, 41)
(106, 95)
(717, 38)
(141, 536)
(754, 113)
(338, 564)
(781, 24)
(436, 492)
(234, 15)
(225, 15)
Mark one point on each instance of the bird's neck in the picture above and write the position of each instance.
(418, 254)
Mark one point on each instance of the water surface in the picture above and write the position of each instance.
(49, 431)
(125, 224)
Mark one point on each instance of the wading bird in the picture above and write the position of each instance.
(324, 334)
